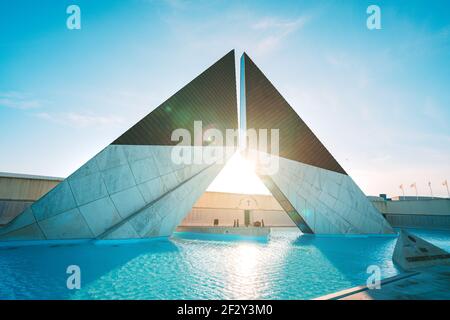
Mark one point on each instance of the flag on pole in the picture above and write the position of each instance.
(403, 190)
(414, 185)
(445, 183)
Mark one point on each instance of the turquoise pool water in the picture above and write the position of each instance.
(190, 266)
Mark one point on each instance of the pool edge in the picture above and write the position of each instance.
(350, 291)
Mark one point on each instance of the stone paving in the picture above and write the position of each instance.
(431, 283)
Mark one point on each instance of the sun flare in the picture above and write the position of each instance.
(238, 176)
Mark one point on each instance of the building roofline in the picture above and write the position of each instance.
(28, 176)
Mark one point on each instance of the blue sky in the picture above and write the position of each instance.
(378, 99)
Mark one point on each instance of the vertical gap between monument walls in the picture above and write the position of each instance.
(242, 106)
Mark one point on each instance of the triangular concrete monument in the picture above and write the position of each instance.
(134, 188)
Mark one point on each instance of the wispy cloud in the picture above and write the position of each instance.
(275, 30)
(237, 27)
(80, 120)
(18, 100)
(280, 24)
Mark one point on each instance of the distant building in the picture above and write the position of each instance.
(415, 212)
(19, 191)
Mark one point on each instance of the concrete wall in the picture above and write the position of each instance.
(19, 191)
(25, 187)
(228, 207)
(221, 200)
(205, 217)
(422, 213)
(440, 207)
(272, 218)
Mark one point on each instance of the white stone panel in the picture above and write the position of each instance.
(87, 169)
(112, 156)
(125, 231)
(128, 201)
(326, 199)
(146, 223)
(58, 200)
(144, 169)
(139, 152)
(118, 178)
(67, 225)
(330, 186)
(169, 181)
(163, 160)
(100, 215)
(151, 190)
(88, 188)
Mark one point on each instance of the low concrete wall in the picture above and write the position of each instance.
(206, 216)
(422, 213)
(25, 187)
(414, 207)
(242, 231)
(228, 207)
(221, 200)
(227, 216)
(19, 191)
(440, 222)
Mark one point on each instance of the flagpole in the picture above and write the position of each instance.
(414, 185)
(431, 190)
(445, 183)
(403, 190)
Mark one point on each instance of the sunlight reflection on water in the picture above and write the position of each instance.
(288, 266)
